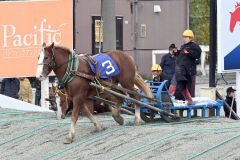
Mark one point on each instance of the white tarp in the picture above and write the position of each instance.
(11, 103)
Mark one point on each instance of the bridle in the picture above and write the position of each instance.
(52, 64)
(72, 67)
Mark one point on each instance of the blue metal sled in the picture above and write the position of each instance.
(165, 102)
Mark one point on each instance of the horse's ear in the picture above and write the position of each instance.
(44, 44)
(52, 45)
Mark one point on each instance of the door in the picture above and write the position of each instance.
(119, 33)
(97, 34)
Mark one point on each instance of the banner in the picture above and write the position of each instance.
(24, 26)
(228, 35)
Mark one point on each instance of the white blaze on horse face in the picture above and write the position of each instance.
(39, 74)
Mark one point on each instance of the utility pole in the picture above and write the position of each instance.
(213, 46)
(213, 42)
(135, 27)
(108, 12)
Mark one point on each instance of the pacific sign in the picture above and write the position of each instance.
(228, 35)
(36, 38)
(24, 26)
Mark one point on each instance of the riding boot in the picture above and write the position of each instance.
(172, 89)
(186, 94)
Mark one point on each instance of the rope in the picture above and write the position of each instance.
(149, 145)
(83, 142)
(27, 119)
(214, 147)
(25, 134)
(31, 132)
(102, 88)
(15, 112)
(110, 132)
(50, 117)
(59, 91)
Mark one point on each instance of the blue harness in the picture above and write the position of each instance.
(105, 65)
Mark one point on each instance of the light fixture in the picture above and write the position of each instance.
(157, 9)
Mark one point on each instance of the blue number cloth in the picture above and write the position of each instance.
(106, 66)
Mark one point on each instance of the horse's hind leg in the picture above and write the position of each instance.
(138, 119)
(116, 110)
(87, 113)
(116, 114)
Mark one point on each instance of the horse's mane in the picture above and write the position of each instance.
(67, 50)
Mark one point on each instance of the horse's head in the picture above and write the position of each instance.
(46, 62)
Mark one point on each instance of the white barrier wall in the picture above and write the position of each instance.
(11, 103)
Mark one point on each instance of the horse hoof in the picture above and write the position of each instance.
(138, 122)
(59, 118)
(68, 140)
(63, 116)
(119, 119)
(99, 129)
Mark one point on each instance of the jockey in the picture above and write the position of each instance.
(156, 72)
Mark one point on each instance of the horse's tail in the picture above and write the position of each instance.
(139, 82)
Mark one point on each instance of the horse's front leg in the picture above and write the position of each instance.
(75, 113)
(87, 113)
(64, 107)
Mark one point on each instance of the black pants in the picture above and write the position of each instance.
(168, 78)
(181, 85)
(191, 85)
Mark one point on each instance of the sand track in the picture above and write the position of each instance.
(40, 136)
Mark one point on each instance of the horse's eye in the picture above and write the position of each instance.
(45, 58)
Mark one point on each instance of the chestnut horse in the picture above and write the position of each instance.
(56, 59)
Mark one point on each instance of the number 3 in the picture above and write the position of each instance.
(109, 67)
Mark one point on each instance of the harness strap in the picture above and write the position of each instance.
(72, 67)
(66, 75)
(90, 60)
(83, 75)
(113, 86)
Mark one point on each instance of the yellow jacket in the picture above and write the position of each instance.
(25, 92)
